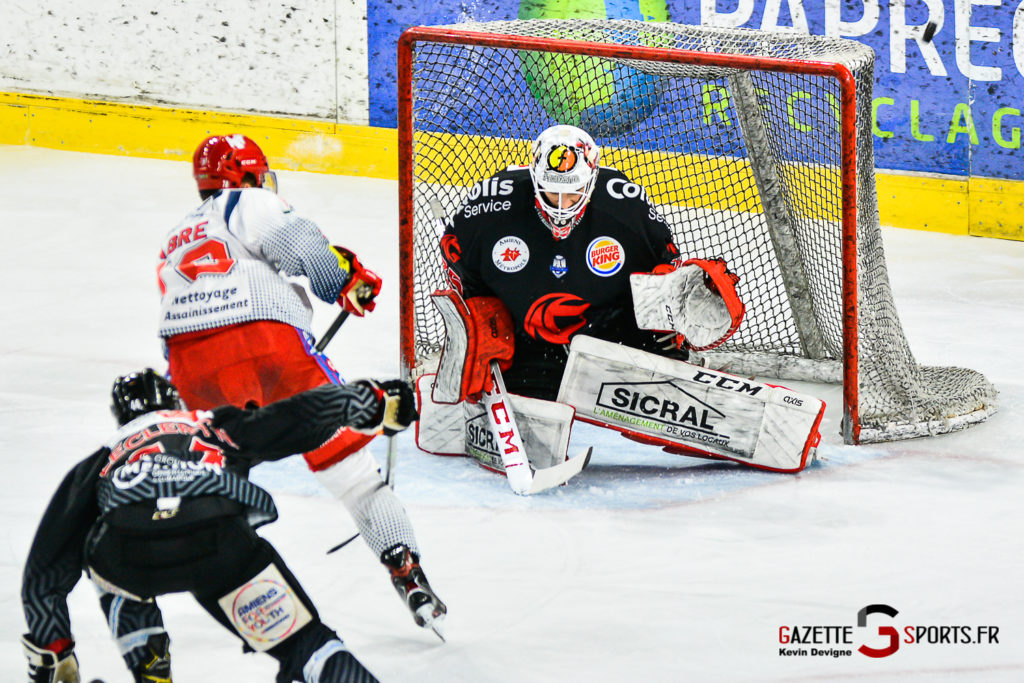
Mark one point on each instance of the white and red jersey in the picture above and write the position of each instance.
(225, 264)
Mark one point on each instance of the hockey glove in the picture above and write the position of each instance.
(55, 663)
(397, 408)
(357, 296)
(696, 299)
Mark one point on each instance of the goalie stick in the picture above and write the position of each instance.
(523, 479)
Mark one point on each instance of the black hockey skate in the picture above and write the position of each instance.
(411, 583)
(156, 666)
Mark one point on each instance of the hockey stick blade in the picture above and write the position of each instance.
(549, 477)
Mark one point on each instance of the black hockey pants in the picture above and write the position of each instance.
(209, 559)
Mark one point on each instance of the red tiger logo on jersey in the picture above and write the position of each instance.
(451, 249)
(555, 317)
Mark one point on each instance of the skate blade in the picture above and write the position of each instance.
(435, 624)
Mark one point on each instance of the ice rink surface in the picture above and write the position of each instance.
(647, 567)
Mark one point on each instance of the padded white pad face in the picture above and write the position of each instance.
(448, 384)
(672, 403)
(463, 429)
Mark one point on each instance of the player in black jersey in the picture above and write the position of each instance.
(166, 506)
(556, 242)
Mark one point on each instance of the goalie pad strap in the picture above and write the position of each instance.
(477, 331)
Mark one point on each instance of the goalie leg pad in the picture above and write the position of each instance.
(441, 429)
(477, 331)
(464, 429)
(686, 407)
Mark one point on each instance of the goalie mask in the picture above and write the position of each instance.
(563, 167)
(140, 393)
(224, 161)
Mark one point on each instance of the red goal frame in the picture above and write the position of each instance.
(848, 133)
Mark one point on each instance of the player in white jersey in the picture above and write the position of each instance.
(238, 332)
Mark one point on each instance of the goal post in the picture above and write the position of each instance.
(754, 146)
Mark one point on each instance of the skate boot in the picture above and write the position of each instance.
(411, 583)
(156, 665)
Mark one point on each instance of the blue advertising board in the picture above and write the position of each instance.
(948, 105)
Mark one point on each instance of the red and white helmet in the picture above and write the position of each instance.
(223, 161)
(563, 161)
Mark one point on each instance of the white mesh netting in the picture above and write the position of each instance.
(744, 162)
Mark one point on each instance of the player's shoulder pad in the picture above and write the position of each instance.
(616, 194)
(618, 198)
(614, 184)
(502, 193)
(254, 199)
(500, 185)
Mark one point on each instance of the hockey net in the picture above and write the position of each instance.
(754, 146)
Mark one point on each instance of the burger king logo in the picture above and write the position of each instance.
(605, 256)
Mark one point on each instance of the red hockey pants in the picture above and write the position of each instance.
(253, 364)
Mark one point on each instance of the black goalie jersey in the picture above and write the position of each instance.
(496, 245)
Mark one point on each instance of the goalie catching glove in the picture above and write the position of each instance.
(697, 301)
(363, 286)
(55, 663)
(397, 406)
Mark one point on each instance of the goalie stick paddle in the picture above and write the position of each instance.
(523, 479)
(507, 434)
(550, 477)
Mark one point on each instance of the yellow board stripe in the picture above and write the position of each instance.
(722, 183)
(173, 133)
(978, 206)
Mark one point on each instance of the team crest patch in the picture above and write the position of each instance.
(266, 610)
(605, 256)
(510, 254)
(559, 267)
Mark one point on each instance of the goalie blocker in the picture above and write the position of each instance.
(690, 410)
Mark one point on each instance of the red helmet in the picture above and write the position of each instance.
(222, 161)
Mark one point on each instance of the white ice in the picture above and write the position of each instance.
(647, 567)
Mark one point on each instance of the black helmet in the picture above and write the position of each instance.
(140, 393)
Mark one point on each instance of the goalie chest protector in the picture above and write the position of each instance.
(557, 288)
